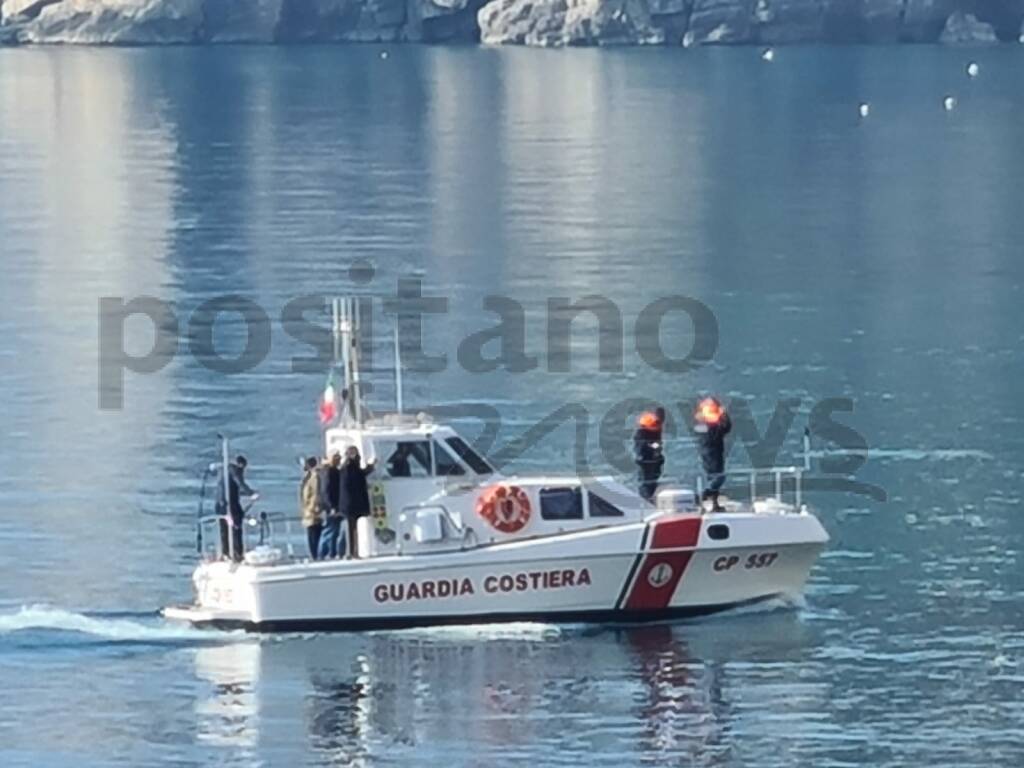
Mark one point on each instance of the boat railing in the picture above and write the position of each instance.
(258, 529)
(265, 526)
(778, 479)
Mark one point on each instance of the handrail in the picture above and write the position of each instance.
(266, 521)
(777, 473)
(263, 523)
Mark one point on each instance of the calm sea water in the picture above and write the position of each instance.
(877, 260)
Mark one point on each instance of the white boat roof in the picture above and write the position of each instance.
(395, 425)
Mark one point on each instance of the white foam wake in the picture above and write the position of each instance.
(44, 617)
(771, 605)
(513, 630)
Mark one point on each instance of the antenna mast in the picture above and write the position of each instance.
(398, 370)
(345, 316)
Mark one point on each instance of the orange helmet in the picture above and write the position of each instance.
(648, 420)
(709, 411)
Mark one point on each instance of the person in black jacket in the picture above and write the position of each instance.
(712, 424)
(354, 500)
(230, 509)
(330, 503)
(398, 465)
(648, 451)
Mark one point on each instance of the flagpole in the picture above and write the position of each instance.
(336, 329)
(229, 521)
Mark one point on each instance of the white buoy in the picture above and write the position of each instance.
(383, 54)
(973, 69)
(768, 54)
(865, 109)
(949, 103)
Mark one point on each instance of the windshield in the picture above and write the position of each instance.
(475, 461)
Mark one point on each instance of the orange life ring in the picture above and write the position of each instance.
(505, 507)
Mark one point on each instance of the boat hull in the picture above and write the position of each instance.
(659, 570)
(384, 623)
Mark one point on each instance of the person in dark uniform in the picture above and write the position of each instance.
(711, 425)
(354, 501)
(398, 464)
(648, 451)
(230, 510)
(330, 505)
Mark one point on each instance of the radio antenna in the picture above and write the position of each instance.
(398, 370)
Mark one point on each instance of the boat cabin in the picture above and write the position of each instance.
(431, 491)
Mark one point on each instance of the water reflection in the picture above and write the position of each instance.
(684, 713)
(77, 222)
(229, 715)
(337, 715)
(477, 695)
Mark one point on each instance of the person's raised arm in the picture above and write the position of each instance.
(243, 487)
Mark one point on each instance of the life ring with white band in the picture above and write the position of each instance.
(505, 507)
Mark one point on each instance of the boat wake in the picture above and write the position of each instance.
(540, 631)
(519, 630)
(44, 624)
(778, 604)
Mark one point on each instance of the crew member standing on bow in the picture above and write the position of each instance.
(648, 451)
(712, 424)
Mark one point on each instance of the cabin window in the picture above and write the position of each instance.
(475, 461)
(600, 507)
(444, 463)
(561, 504)
(405, 458)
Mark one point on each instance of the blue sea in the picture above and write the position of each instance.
(868, 266)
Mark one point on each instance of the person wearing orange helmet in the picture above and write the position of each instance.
(711, 425)
(648, 451)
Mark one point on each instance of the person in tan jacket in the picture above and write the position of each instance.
(309, 505)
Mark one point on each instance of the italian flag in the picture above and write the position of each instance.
(328, 402)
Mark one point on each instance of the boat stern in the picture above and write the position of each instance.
(225, 596)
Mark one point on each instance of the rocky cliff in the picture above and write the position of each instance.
(529, 22)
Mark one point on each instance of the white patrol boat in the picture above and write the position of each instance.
(452, 540)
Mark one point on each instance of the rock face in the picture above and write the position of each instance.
(965, 29)
(785, 21)
(568, 22)
(341, 20)
(449, 19)
(246, 21)
(12, 10)
(529, 22)
(719, 21)
(115, 21)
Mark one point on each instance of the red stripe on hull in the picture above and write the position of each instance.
(657, 580)
(660, 572)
